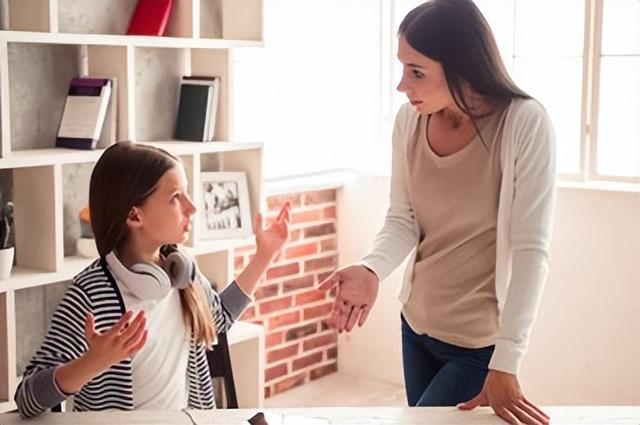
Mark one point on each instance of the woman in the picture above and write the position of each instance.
(472, 191)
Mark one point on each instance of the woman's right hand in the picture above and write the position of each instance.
(120, 342)
(357, 292)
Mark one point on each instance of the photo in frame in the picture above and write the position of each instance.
(225, 211)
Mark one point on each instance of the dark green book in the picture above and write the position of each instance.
(193, 112)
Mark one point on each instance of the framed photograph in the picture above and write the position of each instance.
(224, 208)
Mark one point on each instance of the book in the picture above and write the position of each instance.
(84, 113)
(214, 82)
(150, 17)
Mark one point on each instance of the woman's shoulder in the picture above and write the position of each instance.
(521, 111)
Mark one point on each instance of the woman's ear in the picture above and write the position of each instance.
(134, 218)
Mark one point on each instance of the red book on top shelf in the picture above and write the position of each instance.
(150, 17)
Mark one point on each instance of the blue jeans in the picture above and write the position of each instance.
(440, 374)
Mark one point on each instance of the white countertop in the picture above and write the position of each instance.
(609, 415)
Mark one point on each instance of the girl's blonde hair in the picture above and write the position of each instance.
(124, 177)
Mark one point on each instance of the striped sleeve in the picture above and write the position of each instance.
(226, 306)
(64, 341)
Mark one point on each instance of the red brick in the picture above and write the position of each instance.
(321, 371)
(273, 338)
(267, 392)
(324, 326)
(320, 230)
(276, 202)
(329, 212)
(299, 283)
(280, 271)
(302, 250)
(275, 372)
(328, 245)
(282, 353)
(320, 341)
(266, 291)
(318, 311)
(294, 235)
(303, 362)
(249, 313)
(289, 383)
(278, 304)
(332, 353)
(320, 263)
(310, 296)
(320, 196)
(301, 332)
(305, 216)
(284, 320)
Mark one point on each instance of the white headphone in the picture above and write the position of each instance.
(148, 280)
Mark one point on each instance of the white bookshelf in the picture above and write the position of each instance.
(49, 42)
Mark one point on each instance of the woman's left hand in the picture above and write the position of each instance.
(270, 240)
(502, 392)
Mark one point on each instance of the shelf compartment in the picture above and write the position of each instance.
(7, 349)
(25, 277)
(34, 308)
(37, 194)
(121, 40)
(75, 197)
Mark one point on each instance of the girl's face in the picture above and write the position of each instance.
(165, 216)
(423, 80)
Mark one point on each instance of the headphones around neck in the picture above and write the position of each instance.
(149, 280)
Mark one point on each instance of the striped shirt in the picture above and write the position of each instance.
(95, 290)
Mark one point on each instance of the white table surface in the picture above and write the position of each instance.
(609, 415)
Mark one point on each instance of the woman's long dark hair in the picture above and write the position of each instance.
(455, 34)
(124, 177)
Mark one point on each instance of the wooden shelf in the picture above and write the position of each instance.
(7, 406)
(52, 156)
(25, 277)
(124, 40)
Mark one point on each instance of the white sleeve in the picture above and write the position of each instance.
(529, 233)
(399, 235)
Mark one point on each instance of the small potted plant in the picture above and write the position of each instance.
(6, 251)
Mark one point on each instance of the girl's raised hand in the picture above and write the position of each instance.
(122, 341)
(270, 240)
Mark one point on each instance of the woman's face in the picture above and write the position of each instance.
(423, 80)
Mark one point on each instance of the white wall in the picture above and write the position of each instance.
(585, 348)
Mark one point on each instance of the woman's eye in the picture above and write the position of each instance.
(418, 74)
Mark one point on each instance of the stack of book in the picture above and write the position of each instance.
(90, 103)
(198, 108)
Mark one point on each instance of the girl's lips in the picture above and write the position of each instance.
(415, 102)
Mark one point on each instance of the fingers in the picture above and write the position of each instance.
(507, 416)
(258, 223)
(364, 314)
(133, 332)
(120, 324)
(352, 319)
(90, 327)
(330, 282)
(531, 413)
(478, 400)
(283, 216)
(137, 345)
(537, 409)
(522, 415)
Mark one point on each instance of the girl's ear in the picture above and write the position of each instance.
(134, 218)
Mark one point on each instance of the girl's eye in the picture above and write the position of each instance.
(418, 74)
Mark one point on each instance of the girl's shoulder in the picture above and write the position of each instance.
(522, 111)
(93, 278)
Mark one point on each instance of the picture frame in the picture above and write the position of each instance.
(225, 211)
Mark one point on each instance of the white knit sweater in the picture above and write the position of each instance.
(525, 212)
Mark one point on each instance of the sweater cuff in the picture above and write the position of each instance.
(507, 357)
(234, 299)
(369, 266)
(46, 390)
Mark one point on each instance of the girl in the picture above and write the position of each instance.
(472, 195)
(97, 349)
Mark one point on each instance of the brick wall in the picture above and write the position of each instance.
(299, 345)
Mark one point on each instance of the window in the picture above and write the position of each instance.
(331, 73)
(312, 93)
